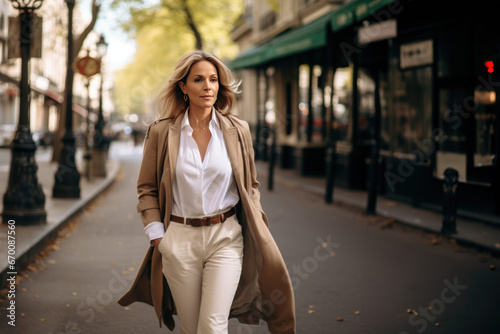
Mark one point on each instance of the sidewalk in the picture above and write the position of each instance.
(32, 238)
(469, 232)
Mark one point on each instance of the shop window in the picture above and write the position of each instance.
(408, 120)
(315, 101)
(484, 117)
(303, 101)
(366, 88)
(342, 90)
(454, 110)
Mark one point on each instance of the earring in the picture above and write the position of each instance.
(185, 97)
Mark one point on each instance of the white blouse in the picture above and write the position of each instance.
(200, 188)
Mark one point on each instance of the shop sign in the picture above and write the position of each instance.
(87, 66)
(416, 54)
(377, 32)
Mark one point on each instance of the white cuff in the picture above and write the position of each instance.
(154, 230)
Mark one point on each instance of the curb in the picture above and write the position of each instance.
(28, 255)
(407, 223)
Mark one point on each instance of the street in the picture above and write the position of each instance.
(352, 273)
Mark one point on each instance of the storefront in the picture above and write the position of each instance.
(414, 82)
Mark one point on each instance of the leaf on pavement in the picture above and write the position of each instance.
(436, 324)
(341, 319)
(435, 241)
(43, 319)
(357, 312)
(492, 267)
(387, 224)
(411, 311)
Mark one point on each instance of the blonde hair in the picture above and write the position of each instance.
(171, 98)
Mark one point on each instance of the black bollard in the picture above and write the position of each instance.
(450, 185)
(330, 172)
(272, 160)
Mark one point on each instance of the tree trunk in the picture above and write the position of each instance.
(192, 25)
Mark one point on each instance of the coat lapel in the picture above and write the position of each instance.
(232, 143)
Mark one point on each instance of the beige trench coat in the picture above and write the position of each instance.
(264, 291)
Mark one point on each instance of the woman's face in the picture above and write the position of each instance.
(202, 85)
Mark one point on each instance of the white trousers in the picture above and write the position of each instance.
(202, 266)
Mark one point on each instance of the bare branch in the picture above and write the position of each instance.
(192, 25)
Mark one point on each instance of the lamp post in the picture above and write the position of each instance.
(101, 143)
(67, 177)
(24, 199)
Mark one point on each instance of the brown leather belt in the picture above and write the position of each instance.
(205, 221)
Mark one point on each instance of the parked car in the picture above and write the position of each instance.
(7, 132)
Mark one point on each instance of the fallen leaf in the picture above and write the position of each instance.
(357, 312)
(23, 314)
(435, 241)
(127, 308)
(387, 224)
(311, 311)
(311, 306)
(411, 311)
(43, 319)
(340, 319)
(492, 267)
(436, 324)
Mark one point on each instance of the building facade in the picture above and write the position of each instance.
(409, 84)
(47, 73)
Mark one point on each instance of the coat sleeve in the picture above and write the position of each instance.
(147, 181)
(255, 193)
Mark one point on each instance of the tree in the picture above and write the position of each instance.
(78, 42)
(165, 31)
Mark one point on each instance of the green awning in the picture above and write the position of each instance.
(355, 11)
(250, 58)
(343, 17)
(365, 8)
(308, 37)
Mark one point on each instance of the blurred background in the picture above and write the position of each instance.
(392, 103)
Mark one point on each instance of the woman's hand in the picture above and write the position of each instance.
(156, 242)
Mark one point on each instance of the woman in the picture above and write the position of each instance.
(212, 256)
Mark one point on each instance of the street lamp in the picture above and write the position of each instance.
(24, 199)
(67, 177)
(101, 143)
